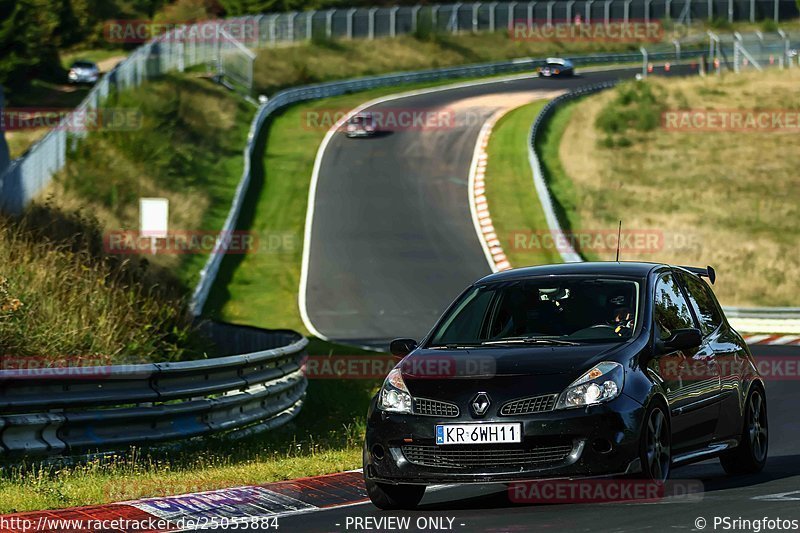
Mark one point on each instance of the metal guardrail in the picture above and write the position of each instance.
(324, 90)
(51, 411)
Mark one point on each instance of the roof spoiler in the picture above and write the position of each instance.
(707, 272)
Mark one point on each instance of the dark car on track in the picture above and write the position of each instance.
(557, 67)
(567, 371)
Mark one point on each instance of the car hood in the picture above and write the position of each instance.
(515, 371)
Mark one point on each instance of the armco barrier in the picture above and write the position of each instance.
(48, 411)
(325, 90)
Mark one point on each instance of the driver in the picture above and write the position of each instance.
(622, 321)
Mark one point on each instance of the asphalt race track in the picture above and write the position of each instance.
(774, 493)
(392, 241)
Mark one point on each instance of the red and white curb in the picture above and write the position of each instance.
(773, 340)
(479, 206)
(260, 504)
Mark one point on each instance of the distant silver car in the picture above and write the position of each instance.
(83, 72)
(556, 66)
(361, 125)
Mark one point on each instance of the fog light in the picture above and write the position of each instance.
(377, 452)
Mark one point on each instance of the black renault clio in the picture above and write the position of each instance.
(567, 371)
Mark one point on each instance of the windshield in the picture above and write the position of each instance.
(577, 309)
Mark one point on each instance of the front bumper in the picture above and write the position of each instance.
(600, 440)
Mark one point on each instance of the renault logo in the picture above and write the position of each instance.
(480, 403)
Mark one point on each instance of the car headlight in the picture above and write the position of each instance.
(394, 396)
(600, 384)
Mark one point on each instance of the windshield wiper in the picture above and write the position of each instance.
(531, 340)
(453, 346)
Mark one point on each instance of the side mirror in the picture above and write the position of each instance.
(682, 339)
(402, 347)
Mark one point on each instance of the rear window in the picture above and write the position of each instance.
(83, 64)
(703, 303)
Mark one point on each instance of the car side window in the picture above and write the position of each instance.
(671, 310)
(702, 301)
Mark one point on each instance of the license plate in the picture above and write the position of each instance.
(478, 433)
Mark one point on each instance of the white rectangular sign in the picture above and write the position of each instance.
(154, 217)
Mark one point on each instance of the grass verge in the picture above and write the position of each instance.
(516, 214)
(720, 197)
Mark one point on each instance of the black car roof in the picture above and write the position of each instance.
(609, 268)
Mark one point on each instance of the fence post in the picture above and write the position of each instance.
(492, 16)
(569, 10)
(309, 24)
(752, 10)
(607, 12)
(435, 17)
(710, 10)
(475, 8)
(643, 50)
(329, 23)
(350, 14)
(393, 21)
(371, 28)
(775, 11)
(531, 6)
(511, 14)
(550, 12)
(627, 10)
(415, 18)
(587, 11)
(647, 11)
(677, 44)
(292, 17)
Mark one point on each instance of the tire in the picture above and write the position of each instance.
(750, 456)
(655, 449)
(390, 497)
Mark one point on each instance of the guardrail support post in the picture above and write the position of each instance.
(786, 46)
(677, 44)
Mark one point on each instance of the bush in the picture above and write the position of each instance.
(636, 106)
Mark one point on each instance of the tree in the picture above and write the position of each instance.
(28, 41)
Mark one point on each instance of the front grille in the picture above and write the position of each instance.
(516, 457)
(426, 407)
(526, 406)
